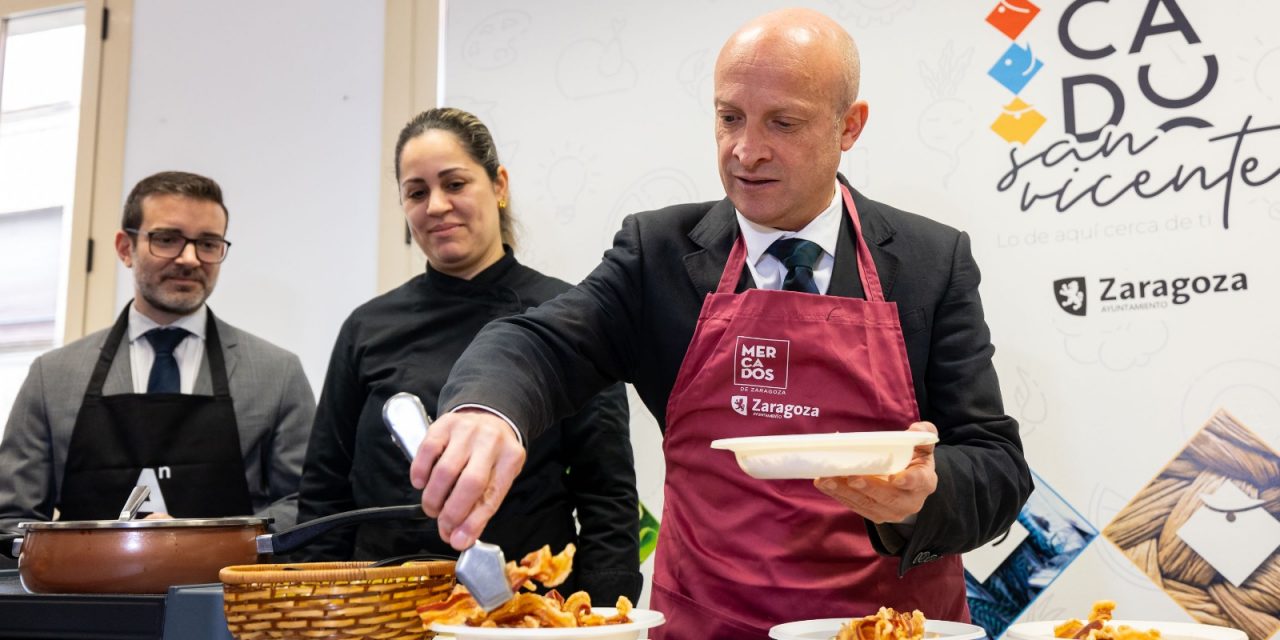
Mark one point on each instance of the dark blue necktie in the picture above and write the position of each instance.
(164, 370)
(799, 257)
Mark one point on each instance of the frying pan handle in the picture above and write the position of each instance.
(10, 543)
(299, 536)
(412, 557)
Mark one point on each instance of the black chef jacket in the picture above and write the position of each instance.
(408, 340)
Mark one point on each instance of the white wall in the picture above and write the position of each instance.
(280, 102)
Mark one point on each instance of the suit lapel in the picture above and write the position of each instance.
(230, 354)
(878, 232)
(120, 375)
(845, 281)
(715, 235)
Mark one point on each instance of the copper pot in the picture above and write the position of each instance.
(149, 556)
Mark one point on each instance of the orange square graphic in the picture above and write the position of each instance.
(1012, 16)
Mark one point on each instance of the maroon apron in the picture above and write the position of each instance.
(737, 555)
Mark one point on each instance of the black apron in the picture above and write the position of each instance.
(187, 444)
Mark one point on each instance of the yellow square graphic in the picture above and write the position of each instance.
(1018, 122)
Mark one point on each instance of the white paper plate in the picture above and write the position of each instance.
(641, 619)
(822, 455)
(1168, 630)
(826, 629)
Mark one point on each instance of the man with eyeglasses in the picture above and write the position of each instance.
(214, 420)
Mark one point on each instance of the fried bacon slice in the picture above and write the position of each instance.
(579, 604)
(1098, 629)
(1098, 618)
(527, 610)
(541, 566)
(886, 624)
(458, 608)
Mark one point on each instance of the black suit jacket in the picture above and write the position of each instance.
(633, 317)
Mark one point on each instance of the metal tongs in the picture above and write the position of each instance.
(481, 568)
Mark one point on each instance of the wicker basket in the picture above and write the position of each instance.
(331, 599)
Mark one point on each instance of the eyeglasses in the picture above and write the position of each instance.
(171, 244)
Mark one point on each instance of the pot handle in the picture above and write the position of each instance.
(299, 536)
(10, 543)
(413, 557)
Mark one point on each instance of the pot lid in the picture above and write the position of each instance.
(176, 523)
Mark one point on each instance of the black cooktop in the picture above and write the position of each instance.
(194, 612)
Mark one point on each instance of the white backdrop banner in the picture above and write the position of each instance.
(1117, 165)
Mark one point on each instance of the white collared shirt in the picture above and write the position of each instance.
(824, 230)
(188, 353)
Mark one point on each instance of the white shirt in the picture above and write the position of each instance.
(188, 353)
(824, 230)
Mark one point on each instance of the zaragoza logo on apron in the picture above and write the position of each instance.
(762, 365)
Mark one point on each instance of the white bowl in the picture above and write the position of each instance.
(827, 628)
(823, 455)
(641, 619)
(1043, 630)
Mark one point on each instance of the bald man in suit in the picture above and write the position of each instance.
(867, 318)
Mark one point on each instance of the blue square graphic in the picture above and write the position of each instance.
(1016, 67)
(1056, 535)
